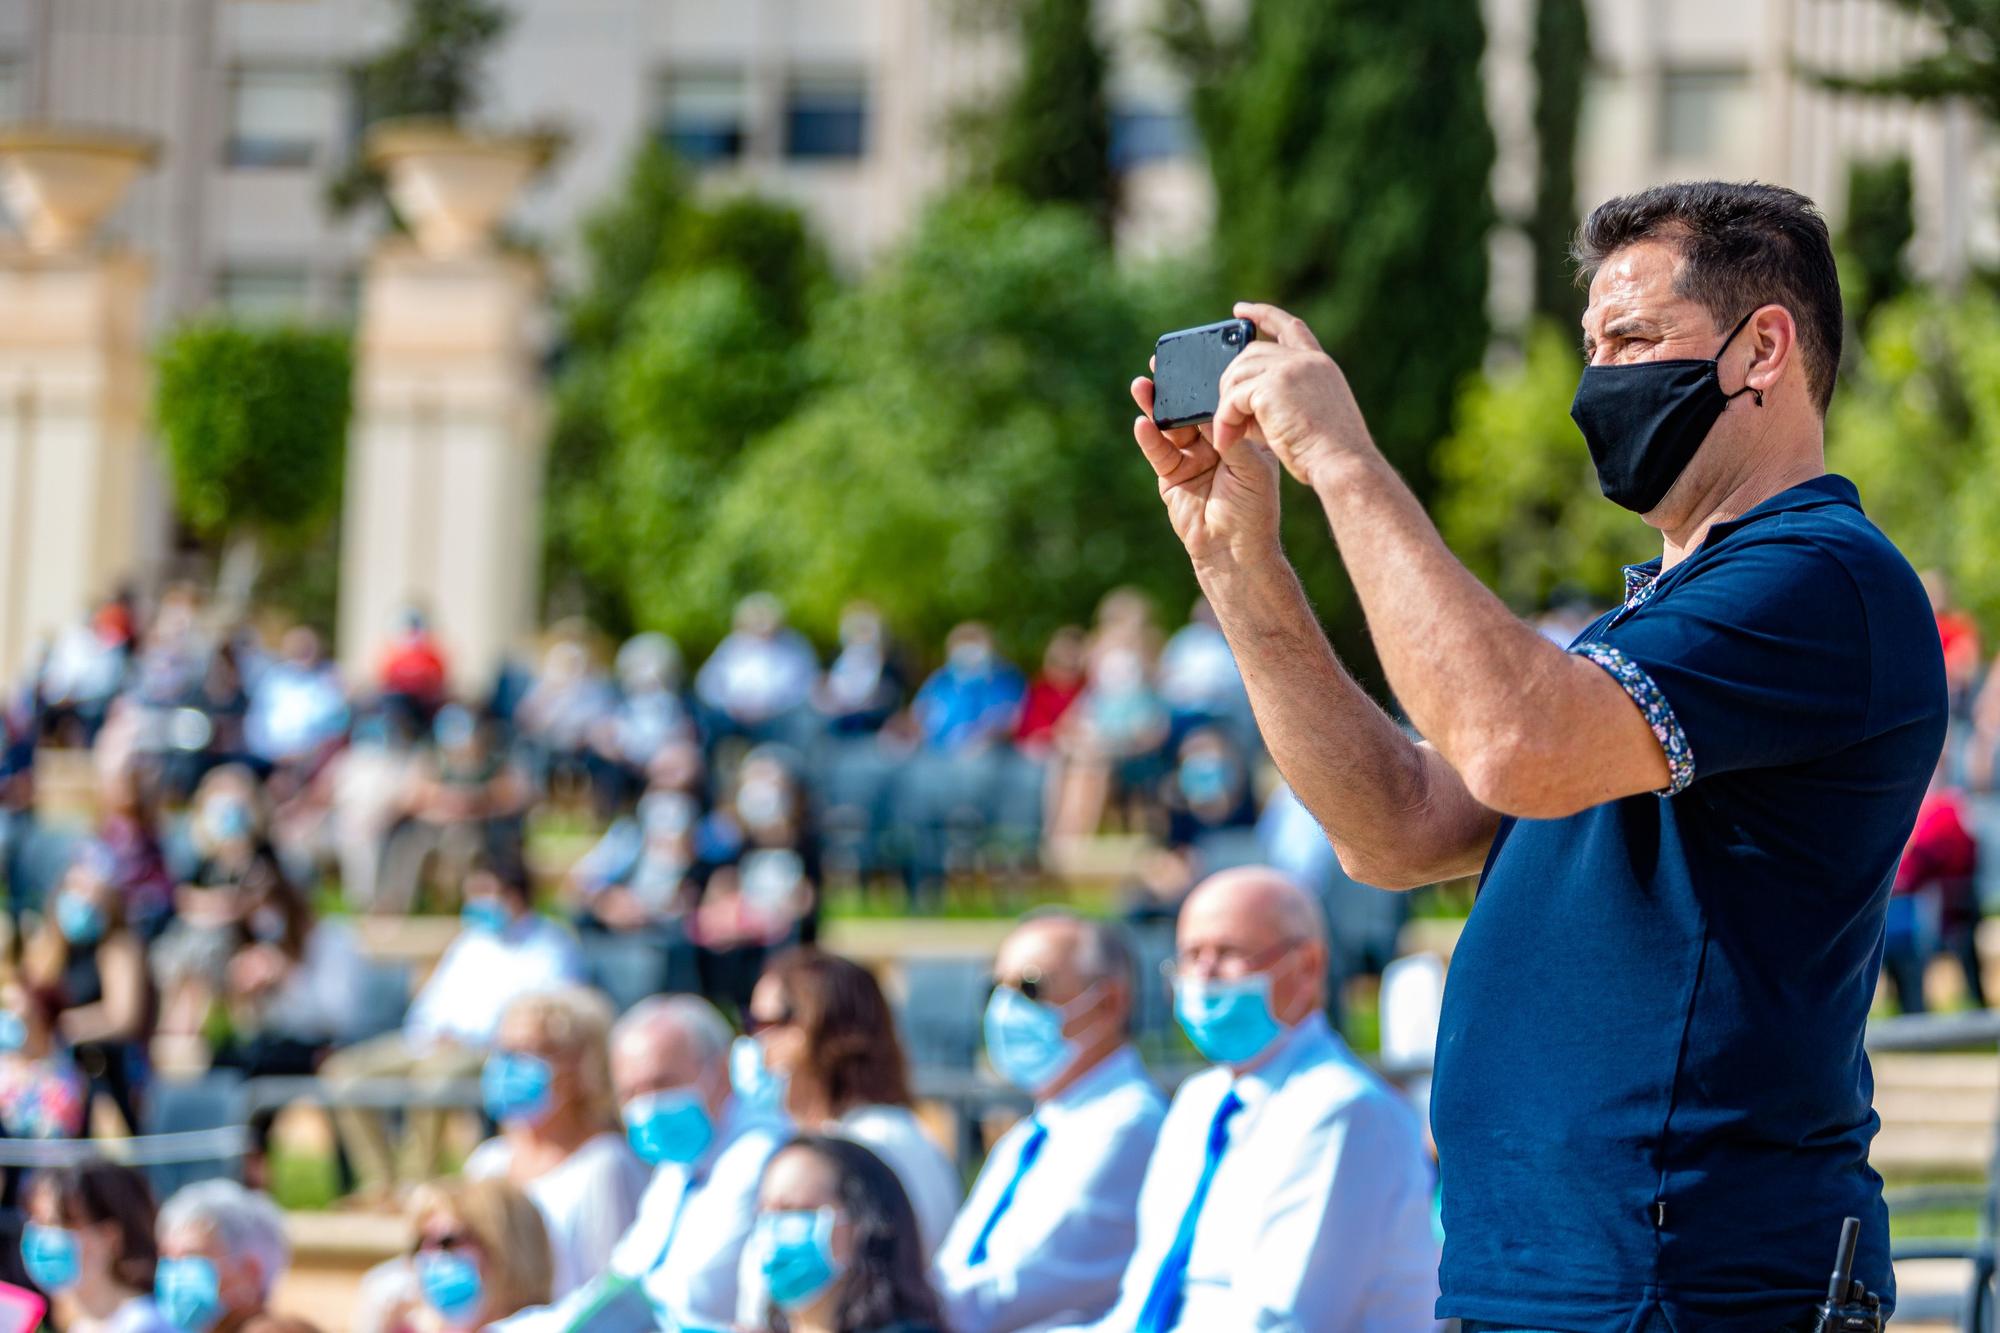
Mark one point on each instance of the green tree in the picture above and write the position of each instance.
(1881, 219)
(1562, 68)
(1917, 428)
(254, 425)
(1963, 63)
(1518, 499)
(1049, 137)
(432, 69)
(649, 237)
(1350, 151)
(964, 455)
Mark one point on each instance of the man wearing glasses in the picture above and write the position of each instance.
(1289, 1189)
(1046, 1232)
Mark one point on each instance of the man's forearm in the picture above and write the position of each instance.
(1396, 815)
(1468, 671)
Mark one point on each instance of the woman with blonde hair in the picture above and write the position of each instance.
(548, 1084)
(481, 1253)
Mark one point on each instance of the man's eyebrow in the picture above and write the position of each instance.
(1620, 326)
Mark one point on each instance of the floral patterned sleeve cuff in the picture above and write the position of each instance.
(1653, 705)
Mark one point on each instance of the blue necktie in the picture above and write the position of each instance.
(1031, 1148)
(1162, 1310)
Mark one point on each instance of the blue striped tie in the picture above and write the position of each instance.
(1031, 1148)
(1162, 1310)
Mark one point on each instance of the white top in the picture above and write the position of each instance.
(687, 1243)
(1319, 1217)
(895, 1135)
(138, 1315)
(587, 1201)
(927, 1175)
(316, 998)
(1057, 1253)
(482, 973)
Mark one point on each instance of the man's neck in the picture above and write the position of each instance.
(1735, 498)
(1080, 1068)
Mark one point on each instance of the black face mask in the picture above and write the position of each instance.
(1643, 422)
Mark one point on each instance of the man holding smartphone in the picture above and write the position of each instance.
(1651, 1106)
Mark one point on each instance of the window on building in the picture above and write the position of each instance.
(704, 115)
(1142, 133)
(13, 88)
(1705, 114)
(264, 292)
(281, 117)
(826, 116)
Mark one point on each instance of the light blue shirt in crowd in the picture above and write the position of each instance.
(1319, 1216)
(1057, 1253)
(687, 1243)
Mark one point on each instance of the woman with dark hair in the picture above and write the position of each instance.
(89, 1244)
(836, 1244)
(829, 1058)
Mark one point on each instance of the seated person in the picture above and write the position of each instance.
(43, 1095)
(679, 1259)
(836, 1245)
(480, 1255)
(766, 895)
(649, 713)
(548, 1085)
(89, 1246)
(863, 687)
(830, 1058)
(1289, 1188)
(504, 952)
(89, 965)
(233, 864)
(222, 1253)
(1047, 1230)
(463, 797)
(641, 876)
(757, 676)
(1207, 798)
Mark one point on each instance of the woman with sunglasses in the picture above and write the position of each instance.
(836, 1244)
(548, 1084)
(89, 1246)
(480, 1255)
(826, 1053)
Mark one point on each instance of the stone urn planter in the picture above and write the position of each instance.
(61, 182)
(452, 186)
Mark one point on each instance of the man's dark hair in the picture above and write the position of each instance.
(1741, 246)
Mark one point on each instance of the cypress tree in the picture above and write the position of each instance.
(1562, 63)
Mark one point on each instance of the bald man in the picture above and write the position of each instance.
(680, 1257)
(1289, 1189)
(1044, 1236)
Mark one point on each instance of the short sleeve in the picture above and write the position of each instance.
(1758, 658)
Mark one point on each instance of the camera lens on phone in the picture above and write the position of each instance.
(1233, 336)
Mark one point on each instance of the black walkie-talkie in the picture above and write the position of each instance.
(1849, 1307)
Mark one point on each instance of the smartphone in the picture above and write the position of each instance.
(1187, 370)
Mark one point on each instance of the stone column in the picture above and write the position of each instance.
(74, 385)
(444, 464)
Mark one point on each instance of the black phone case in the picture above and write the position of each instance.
(1187, 370)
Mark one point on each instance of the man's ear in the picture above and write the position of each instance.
(1774, 345)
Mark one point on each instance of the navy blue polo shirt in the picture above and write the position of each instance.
(1652, 1107)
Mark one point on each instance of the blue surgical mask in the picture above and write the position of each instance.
(451, 1284)
(761, 1088)
(188, 1293)
(1205, 779)
(1024, 1040)
(487, 914)
(670, 1126)
(795, 1253)
(50, 1254)
(227, 817)
(1229, 1020)
(80, 920)
(517, 1086)
(13, 1030)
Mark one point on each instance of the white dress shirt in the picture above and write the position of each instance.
(1057, 1253)
(687, 1243)
(587, 1201)
(482, 973)
(1319, 1216)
